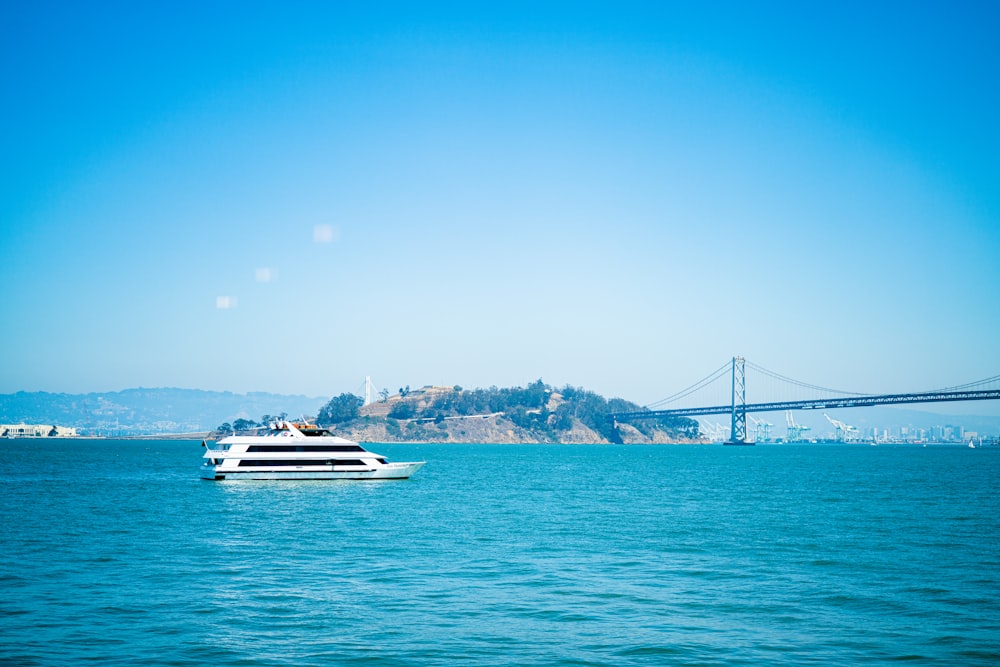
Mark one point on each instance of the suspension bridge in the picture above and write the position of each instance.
(733, 377)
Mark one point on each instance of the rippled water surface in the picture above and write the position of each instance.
(115, 552)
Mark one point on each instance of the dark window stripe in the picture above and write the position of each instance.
(278, 463)
(305, 448)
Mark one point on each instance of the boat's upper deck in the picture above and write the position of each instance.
(288, 437)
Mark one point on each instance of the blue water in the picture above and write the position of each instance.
(116, 553)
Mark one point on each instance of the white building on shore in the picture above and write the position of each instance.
(36, 431)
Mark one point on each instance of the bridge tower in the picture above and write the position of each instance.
(738, 431)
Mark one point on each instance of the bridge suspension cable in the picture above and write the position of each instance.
(993, 380)
(704, 382)
(804, 385)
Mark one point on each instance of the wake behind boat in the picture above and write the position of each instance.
(289, 450)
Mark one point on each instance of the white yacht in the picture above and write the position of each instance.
(289, 450)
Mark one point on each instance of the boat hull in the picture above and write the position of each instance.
(389, 471)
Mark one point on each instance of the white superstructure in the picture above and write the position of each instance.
(291, 450)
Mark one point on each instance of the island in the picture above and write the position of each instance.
(536, 413)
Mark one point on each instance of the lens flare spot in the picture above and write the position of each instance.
(325, 233)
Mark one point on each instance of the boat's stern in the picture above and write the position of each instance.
(210, 464)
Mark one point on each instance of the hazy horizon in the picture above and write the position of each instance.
(251, 198)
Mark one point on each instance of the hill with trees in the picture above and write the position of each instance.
(536, 413)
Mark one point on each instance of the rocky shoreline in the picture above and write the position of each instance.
(492, 429)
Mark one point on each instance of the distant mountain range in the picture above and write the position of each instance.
(149, 411)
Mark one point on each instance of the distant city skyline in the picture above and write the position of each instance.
(613, 196)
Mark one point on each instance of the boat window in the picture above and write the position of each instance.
(304, 448)
(280, 463)
(314, 432)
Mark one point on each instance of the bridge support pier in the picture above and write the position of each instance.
(738, 427)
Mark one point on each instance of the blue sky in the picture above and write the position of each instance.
(289, 197)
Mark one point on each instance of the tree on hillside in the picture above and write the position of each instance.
(563, 418)
(532, 396)
(402, 410)
(267, 420)
(244, 424)
(340, 409)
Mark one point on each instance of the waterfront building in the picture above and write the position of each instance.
(36, 431)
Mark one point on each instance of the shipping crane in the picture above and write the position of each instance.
(762, 429)
(714, 431)
(845, 432)
(795, 431)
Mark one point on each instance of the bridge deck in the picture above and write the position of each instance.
(816, 404)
